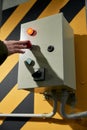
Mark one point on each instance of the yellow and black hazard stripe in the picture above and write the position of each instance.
(22, 101)
(71, 9)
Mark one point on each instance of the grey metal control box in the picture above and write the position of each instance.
(50, 63)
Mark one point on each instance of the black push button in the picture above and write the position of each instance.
(50, 48)
(39, 75)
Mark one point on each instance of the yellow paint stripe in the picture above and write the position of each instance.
(53, 8)
(80, 30)
(8, 104)
(45, 124)
(78, 24)
(7, 66)
(39, 104)
(12, 100)
(5, 30)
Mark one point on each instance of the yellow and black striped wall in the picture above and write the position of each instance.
(21, 101)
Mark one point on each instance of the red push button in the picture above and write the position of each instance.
(30, 31)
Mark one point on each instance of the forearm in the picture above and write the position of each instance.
(3, 52)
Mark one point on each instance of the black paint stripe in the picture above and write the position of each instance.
(72, 8)
(6, 13)
(9, 82)
(25, 107)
